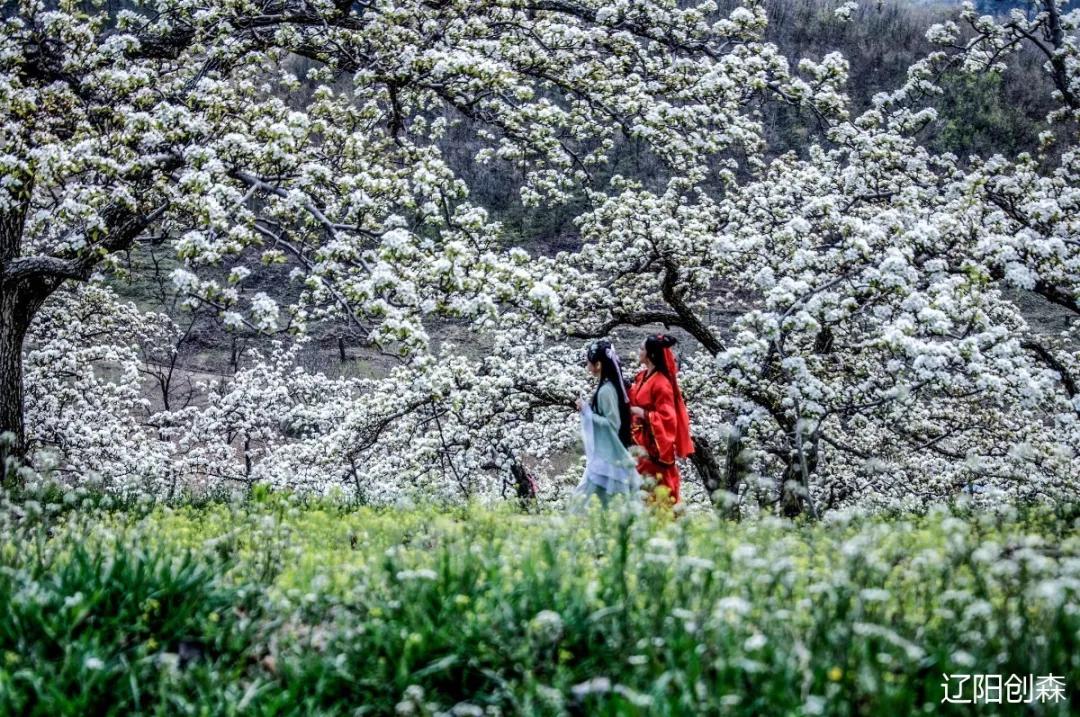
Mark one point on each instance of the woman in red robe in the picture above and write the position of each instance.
(659, 422)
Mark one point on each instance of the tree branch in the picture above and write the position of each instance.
(639, 318)
(125, 225)
(1048, 358)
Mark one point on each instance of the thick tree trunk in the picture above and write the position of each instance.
(714, 478)
(790, 501)
(524, 486)
(705, 464)
(12, 331)
(794, 489)
(19, 303)
(13, 326)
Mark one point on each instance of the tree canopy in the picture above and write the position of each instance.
(852, 305)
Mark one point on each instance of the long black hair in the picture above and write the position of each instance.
(603, 352)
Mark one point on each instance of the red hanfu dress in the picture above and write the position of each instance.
(663, 432)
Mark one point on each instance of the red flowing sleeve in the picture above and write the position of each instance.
(662, 418)
(635, 395)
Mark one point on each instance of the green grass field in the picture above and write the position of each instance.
(282, 607)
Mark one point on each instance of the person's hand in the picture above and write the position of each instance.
(637, 411)
(579, 403)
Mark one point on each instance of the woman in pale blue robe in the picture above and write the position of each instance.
(605, 428)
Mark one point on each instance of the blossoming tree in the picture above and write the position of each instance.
(877, 355)
(173, 122)
(858, 339)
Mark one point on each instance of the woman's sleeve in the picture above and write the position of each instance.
(607, 413)
(662, 420)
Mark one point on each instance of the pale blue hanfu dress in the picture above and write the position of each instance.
(609, 467)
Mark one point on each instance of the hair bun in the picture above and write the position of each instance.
(597, 349)
(662, 341)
